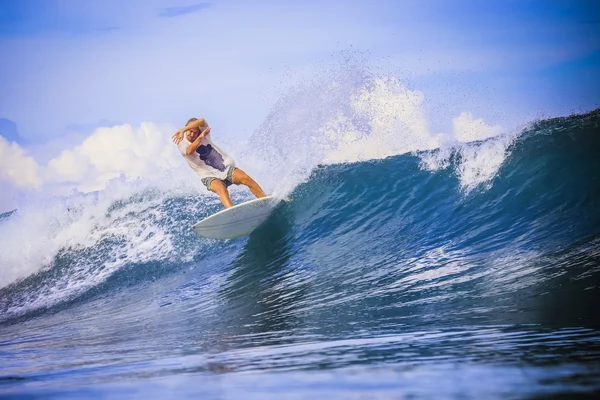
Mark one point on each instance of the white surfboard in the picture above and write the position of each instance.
(236, 221)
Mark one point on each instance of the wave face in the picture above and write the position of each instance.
(472, 266)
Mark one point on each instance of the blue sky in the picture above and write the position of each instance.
(68, 67)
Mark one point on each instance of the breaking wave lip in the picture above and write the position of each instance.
(353, 116)
(475, 163)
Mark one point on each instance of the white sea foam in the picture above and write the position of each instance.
(91, 238)
(476, 163)
(97, 233)
(347, 115)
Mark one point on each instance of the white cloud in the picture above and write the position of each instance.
(106, 154)
(111, 152)
(17, 167)
(68, 167)
(468, 129)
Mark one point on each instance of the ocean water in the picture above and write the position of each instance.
(434, 269)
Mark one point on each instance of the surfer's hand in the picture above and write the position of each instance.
(206, 131)
(178, 137)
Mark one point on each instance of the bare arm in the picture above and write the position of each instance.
(196, 143)
(199, 123)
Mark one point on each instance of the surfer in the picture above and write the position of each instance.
(216, 169)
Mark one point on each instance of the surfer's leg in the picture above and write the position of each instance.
(219, 188)
(240, 177)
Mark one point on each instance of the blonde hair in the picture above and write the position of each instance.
(191, 120)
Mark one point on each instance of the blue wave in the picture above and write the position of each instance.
(382, 263)
(391, 215)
